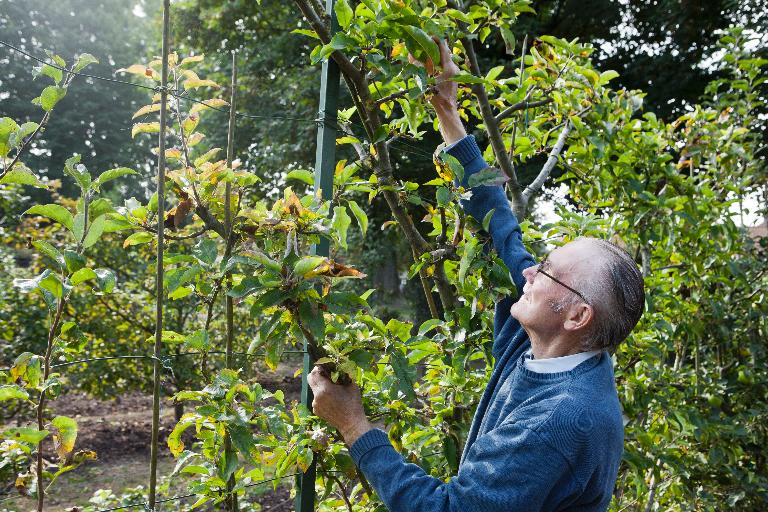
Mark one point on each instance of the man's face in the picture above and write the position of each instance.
(538, 309)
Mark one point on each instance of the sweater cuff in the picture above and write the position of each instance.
(468, 153)
(369, 441)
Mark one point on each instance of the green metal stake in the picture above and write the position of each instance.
(325, 163)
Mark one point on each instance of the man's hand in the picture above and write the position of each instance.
(446, 88)
(340, 406)
(444, 99)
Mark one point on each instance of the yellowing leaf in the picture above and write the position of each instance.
(195, 139)
(147, 109)
(64, 435)
(207, 105)
(193, 83)
(145, 128)
(191, 59)
(398, 50)
(140, 70)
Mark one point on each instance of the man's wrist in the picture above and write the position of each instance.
(451, 126)
(355, 431)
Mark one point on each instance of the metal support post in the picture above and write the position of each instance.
(325, 164)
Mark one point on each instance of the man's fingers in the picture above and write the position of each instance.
(316, 378)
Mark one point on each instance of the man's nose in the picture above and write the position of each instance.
(529, 273)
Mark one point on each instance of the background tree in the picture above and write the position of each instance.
(91, 118)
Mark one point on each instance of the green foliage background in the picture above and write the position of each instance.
(660, 171)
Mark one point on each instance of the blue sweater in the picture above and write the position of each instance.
(538, 441)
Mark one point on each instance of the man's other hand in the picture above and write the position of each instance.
(341, 406)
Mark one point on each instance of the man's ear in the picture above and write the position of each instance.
(578, 317)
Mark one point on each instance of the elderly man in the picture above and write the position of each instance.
(547, 433)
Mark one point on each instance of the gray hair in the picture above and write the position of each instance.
(616, 292)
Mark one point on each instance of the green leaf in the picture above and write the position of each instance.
(27, 368)
(74, 261)
(459, 15)
(73, 167)
(83, 60)
(175, 444)
(305, 32)
(470, 251)
(111, 175)
(21, 174)
(405, 373)
(50, 251)
(302, 175)
(487, 219)
(420, 44)
(78, 226)
(344, 13)
(340, 223)
(466, 78)
(509, 40)
(360, 215)
(206, 250)
(99, 207)
(29, 285)
(53, 285)
(105, 279)
(243, 440)
(490, 176)
(50, 96)
(82, 275)
(451, 452)
(443, 196)
(51, 72)
(307, 264)
(140, 237)
(273, 351)
(429, 325)
(455, 167)
(7, 127)
(607, 76)
(10, 392)
(181, 292)
(25, 131)
(313, 320)
(54, 212)
(64, 435)
(25, 434)
(494, 73)
(95, 231)
(198, 340)
(401, 330)
(171, 337)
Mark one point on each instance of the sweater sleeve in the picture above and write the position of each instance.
(507, 469)
(504, 229)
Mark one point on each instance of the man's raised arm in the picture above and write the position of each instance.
(504, 227)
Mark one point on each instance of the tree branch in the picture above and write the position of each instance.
(316, 22)
(534, 187)
(492, 127)
(210, 221)
(524, 104)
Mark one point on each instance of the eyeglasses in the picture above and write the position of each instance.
(539, 270)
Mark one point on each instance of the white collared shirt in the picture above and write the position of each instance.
(557, 364)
